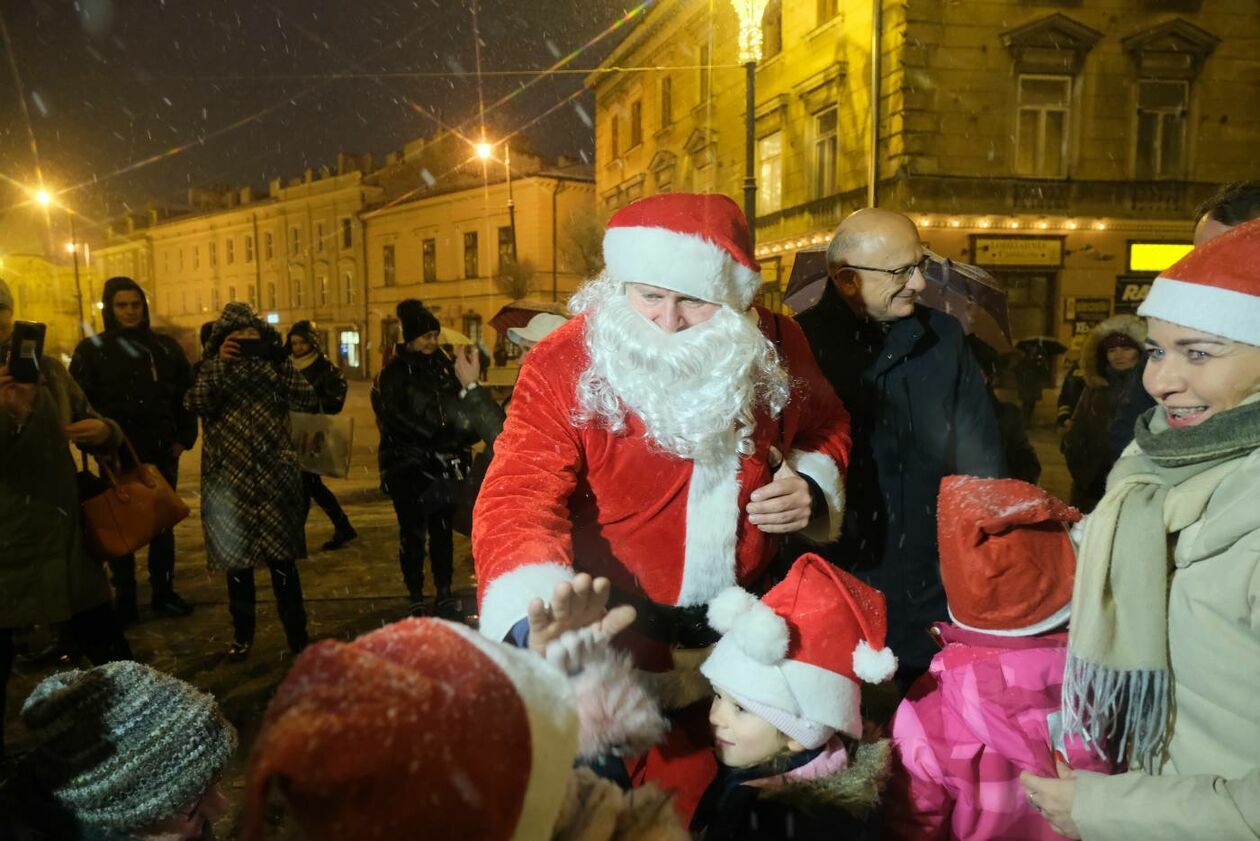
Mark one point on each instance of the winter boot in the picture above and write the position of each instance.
(447, 606)
(342, 535)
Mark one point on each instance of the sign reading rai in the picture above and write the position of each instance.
(1131, 292)
(1021, 251)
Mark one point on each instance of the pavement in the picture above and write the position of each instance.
(348, 592)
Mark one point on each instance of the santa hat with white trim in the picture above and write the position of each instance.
(1007, 560)
(423, 723)
(1214, 288)
(696, 244)
(797, 658)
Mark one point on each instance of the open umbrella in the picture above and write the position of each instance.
(518, 313)
(964, 291)
(451, 336)
(1046, 345)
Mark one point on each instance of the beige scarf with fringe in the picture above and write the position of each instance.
(1117, 687)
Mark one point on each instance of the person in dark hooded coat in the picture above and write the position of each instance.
(252, 509)
(330, 386)
(138, 378)
(1111, 361)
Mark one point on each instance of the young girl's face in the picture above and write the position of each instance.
(1195, 375)
(741, 738)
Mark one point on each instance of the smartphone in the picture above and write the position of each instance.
(259, 348)
(25, 350)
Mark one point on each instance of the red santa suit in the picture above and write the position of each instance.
(562, 497)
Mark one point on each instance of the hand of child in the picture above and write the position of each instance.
(573, 650)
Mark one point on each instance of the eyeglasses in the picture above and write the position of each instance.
(903, 273)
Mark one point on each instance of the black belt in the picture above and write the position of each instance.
(677, 627)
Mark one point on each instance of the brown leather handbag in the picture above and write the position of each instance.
(132, 508)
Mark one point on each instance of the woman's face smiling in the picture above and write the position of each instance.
(1194, 375)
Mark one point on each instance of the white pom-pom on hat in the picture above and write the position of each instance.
(873, 666)
(759, 632)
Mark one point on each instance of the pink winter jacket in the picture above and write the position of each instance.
(965, 731)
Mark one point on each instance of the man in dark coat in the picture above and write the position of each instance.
(919, 411)
(424, 452)
(330, 387)
(138, 378)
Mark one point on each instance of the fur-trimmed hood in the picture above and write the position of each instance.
(1093, 358)
(854, 786)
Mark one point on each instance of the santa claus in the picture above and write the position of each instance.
(662, 440)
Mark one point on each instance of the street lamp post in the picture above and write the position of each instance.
(73, 248)
(750, 13)
(484, 151)
(45, 199)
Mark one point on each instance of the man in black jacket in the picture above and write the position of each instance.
(138, 378)
(919, 411)
(330, 387)
(424, 453)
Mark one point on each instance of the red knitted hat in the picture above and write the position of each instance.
(805, 648)
(694, 244)
(1007, 561)
(1214, 288)
(423, 723)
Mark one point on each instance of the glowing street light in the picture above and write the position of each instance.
(750, 13)
(484, 150)
(44, 199)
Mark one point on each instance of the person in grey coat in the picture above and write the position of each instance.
(253, 509)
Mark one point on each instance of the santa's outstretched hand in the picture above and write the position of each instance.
(783, 506)
(576, 604)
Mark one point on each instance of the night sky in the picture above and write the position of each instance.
(261, 89)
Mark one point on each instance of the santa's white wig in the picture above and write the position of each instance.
(696, 390)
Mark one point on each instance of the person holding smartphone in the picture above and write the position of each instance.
(46, 575)
(253, 509)
(139, 377)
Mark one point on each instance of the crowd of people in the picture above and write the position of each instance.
(703, 534)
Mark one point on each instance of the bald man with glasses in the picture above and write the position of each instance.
(919, 412)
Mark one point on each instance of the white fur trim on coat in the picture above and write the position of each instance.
(712, 517)
(825, 472)
(553, 731)
(689, 265)
(799, 689)
(507, 597)
(1222, 312)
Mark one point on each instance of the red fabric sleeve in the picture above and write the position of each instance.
(521, 519)
(823, 421)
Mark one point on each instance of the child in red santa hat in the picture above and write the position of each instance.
(988, 707)
(787, 674)
(426, 729)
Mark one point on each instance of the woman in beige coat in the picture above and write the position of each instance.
(1164, 648)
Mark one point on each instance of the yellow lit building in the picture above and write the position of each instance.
(1060, 146)
(341, 249)
(451, 248)
(43, 290)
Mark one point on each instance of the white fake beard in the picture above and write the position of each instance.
(696, 390)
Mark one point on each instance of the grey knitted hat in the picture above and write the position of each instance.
(6, 296)
(123, 746)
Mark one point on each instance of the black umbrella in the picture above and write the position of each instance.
(1045, 345)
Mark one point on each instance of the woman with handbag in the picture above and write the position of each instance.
(424, 453)
(330, 387)
(46, 576)
(252, 506)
